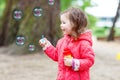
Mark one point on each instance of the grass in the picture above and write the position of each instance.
(104, 31)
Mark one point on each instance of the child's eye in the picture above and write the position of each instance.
(63, 22)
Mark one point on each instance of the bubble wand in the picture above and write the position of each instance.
(42, 40)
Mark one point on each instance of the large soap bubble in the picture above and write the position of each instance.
(17, 14)
(37, 12)
(20, 40)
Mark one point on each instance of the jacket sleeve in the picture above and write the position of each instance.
(51, 52)
(87, 57)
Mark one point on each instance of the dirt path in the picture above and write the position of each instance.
(106, 66)
(27, 67)
(40, 67)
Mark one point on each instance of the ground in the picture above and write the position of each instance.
(39, 67)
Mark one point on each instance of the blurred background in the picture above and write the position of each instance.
(24, 22)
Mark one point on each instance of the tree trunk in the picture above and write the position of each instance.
(5, 24)
(112, 31)
(11, 27)
(47, 24)
(53, 21)
(22, 4)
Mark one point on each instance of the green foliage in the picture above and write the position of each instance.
(84, 4)
(100, 31)
(65, 4)
(2, 6)
(91, 20)
(104, 31)
(117, 31)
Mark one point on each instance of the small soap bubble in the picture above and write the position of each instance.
(37, 12)
(51, 2)
(31, 47)
(17, 14)
(20, 40)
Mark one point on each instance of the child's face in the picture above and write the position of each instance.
(65, 25)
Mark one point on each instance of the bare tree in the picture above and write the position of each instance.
(112, 30)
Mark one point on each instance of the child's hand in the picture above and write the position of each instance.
(68, 61)
(44, 43)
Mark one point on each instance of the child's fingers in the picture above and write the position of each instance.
(42, 42)
(68, 61)
(42, 45)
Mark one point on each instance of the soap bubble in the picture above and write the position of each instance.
(17, 14)
(31, 47)
(51, 2)
(20, 40)
(37, 12)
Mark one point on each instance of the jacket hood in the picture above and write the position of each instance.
(87, 36)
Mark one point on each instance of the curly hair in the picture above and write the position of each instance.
(78, 18)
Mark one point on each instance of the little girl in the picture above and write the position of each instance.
(73, 52)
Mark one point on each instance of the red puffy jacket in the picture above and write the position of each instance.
(81, 49)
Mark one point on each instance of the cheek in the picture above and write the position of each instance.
(69, 30)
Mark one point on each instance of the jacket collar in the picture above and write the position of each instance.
(85, 35)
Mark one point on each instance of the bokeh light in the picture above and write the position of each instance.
(118, 56)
